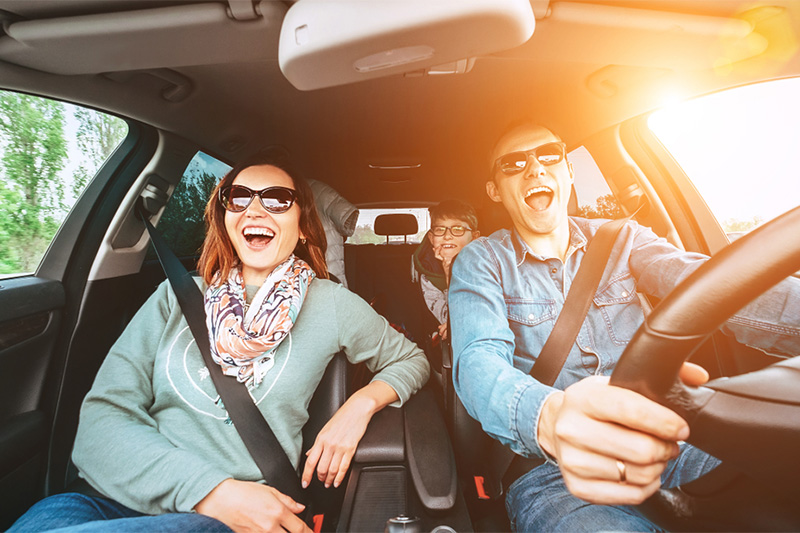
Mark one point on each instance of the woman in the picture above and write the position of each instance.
(153, 437)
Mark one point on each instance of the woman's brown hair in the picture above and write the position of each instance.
(218, 254)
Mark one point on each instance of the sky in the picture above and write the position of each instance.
(741, 147)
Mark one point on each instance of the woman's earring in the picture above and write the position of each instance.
(303, 240)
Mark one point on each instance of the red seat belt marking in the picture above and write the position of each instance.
(479, 488)
(318, 519)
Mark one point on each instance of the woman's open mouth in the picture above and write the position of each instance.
(258, 237)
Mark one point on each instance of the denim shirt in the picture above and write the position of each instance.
(504, 301)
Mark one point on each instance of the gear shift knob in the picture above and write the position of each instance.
(403, 524)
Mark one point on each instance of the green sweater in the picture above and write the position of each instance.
(151, 435)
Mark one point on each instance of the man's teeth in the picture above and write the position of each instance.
(266, 232)
(538, 189)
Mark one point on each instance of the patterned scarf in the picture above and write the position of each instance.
(244, 339)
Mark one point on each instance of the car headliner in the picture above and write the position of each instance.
(589, 65)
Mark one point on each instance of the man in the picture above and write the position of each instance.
(606, 448)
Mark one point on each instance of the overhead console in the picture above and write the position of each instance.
(329, 43)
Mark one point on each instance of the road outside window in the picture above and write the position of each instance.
(740, 148)
(49, 151)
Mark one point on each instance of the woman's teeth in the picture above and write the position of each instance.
(258, 236)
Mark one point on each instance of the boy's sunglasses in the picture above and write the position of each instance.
(236, 198)
(455, 231)
(546, 155)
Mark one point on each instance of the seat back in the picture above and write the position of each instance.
(331, 394)
(381, 274)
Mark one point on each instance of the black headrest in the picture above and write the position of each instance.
(396, 224)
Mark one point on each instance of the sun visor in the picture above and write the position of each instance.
(159, 37)
(324, 43)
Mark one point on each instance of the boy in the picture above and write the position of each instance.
(454, 224)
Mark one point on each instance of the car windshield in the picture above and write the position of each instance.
(740, 148)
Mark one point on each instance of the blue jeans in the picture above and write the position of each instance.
(539, 500)
(77, 513)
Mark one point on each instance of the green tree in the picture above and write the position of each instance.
(365, 235)
(34, 152)
(98, 136)
(182, 221)
(10, 204)
(605, 207)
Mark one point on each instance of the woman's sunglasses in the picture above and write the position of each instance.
(546, 155)
(236, 198)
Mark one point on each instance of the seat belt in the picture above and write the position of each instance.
(506, 466)
(251, 425)
(576, 306)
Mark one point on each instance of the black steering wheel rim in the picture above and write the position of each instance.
(751, 422)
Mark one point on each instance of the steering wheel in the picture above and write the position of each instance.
(751, 422)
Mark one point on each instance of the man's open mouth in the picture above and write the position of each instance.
(258, 237)
(539, 198)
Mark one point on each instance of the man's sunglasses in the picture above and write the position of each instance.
(455, 231)
(236, 198)
(546, 155)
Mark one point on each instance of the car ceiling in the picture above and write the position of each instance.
(589, 65)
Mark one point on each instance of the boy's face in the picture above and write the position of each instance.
(448, 245)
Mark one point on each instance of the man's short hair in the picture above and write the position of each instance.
(517, 123)
(456, 209)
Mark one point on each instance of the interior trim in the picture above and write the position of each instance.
(22, 329)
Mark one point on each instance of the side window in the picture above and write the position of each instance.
(182, 222)
(595, 199)
(49, 151)
(740, 150)
(365, 226)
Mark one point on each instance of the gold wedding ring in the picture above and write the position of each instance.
(622, 471)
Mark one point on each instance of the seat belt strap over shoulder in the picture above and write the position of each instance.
(576, 306)
(254, 430)
(558, 345)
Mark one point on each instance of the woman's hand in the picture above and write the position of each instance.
(598, 433)
(443, 331)
(245, 506)
(336, 443)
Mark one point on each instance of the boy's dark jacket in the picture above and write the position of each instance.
(426, 263)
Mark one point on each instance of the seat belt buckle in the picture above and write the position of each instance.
(480, 489)
(318, 520)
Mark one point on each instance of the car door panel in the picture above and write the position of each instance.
(30, 317)
(39, 319)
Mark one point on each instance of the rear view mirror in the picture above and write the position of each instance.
(325, 43)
